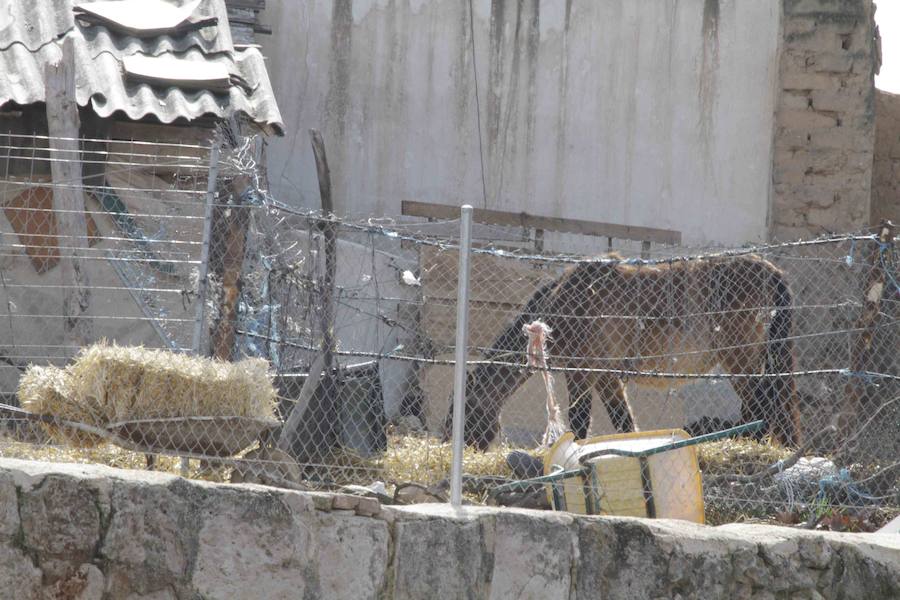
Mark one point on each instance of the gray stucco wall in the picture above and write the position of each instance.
(643, 113)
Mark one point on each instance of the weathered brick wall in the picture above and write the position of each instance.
(886, 176)
(825, 125)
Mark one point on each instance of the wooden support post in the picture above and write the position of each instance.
(68, 195)
(329, 233)
(539, 241)
(232, 225)
(856, 388)
(313, 427)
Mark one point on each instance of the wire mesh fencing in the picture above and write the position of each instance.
(190, 315)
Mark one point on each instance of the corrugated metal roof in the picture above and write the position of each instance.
(31, 35)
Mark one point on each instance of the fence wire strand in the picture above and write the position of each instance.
(663, 340)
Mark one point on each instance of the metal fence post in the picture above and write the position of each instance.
(462, 341)
(203, 274)
(203, 270)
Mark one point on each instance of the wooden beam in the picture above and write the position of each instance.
(498, 217)
(68, 195)
(254, 4)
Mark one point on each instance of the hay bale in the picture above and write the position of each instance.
(48, 391)
(108, 384)
(133, 383)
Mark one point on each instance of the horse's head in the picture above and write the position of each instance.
(491, 383)
(486, 388)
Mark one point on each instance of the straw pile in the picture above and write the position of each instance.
(109, 384)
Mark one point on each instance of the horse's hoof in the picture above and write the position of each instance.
(523, 465)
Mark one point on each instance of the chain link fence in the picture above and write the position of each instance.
(194, 323)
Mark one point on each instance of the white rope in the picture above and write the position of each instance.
(538, 332)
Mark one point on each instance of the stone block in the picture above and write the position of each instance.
(644, 566)
(9, 508)
(795, 100)
(846, 8)
(150, 539)
(805, 119)
(799, 26)
(61, 519)
(351, 556)
(833, 63)
(84, 583)
(788, 175)
(19, 578)
(533, 556)
(461, 569)
(818, 40)
(844, 138)
(809, 81)
(843, 100)
(250, 545)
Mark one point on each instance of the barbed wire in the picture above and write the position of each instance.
(382, 412)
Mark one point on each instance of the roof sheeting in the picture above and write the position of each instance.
(31, 38)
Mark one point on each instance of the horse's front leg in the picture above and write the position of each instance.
(612, 392)
(579, 386)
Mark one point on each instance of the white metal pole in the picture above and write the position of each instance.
(462, 342)
(203, 273)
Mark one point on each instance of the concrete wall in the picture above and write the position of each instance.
(886, 175)
(84, 532)
(826, 119)
(643, 113)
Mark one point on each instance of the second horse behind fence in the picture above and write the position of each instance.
(655, 324)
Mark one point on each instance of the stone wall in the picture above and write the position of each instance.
(80, 532)
(886, 176)
(825, 121)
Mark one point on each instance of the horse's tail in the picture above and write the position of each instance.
(779, 393)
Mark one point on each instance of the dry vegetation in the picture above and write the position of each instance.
(424, 460)
(109, 384)
(409, 458)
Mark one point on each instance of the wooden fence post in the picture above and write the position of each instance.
(312, 429)
(856, 389)
(231, 242)
(68, 195)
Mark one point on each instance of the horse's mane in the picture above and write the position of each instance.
(512, 340)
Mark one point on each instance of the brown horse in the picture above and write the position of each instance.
(676, 317)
